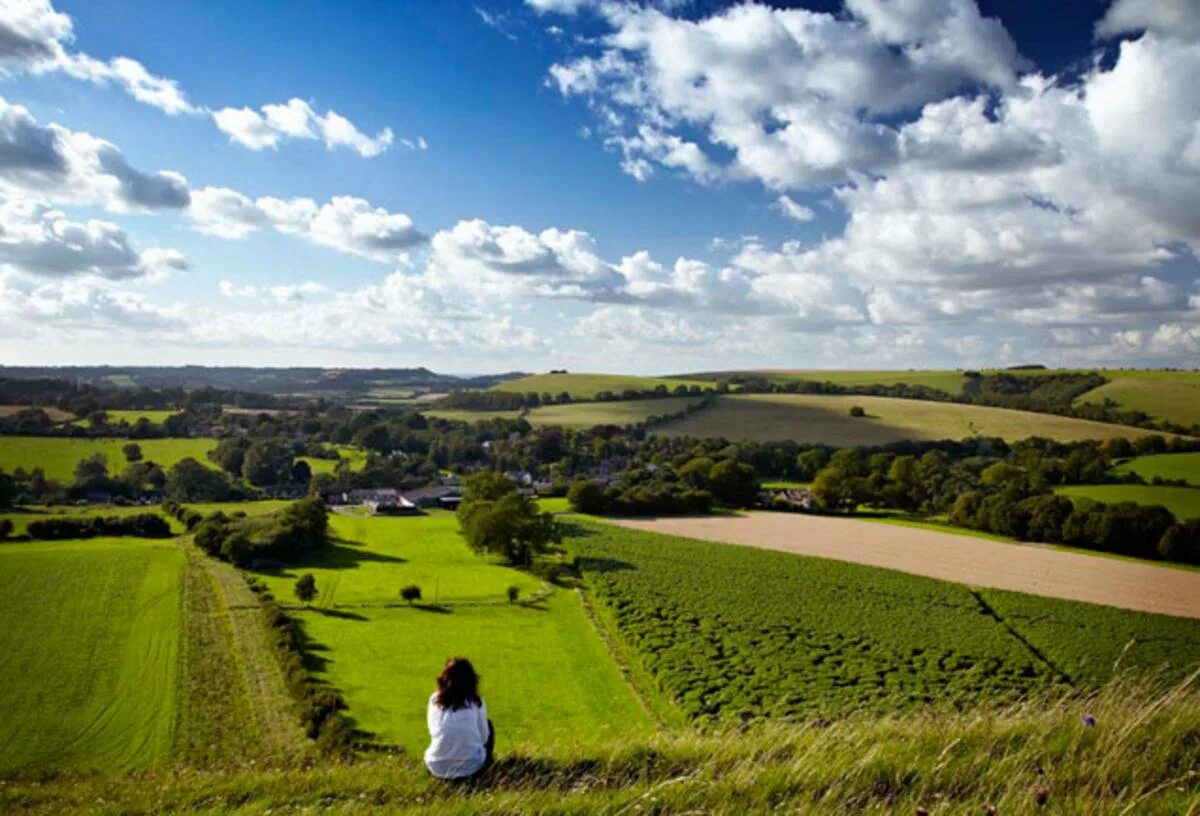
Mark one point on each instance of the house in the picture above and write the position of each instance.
(400, 507)
(796, 498)
(444, 496)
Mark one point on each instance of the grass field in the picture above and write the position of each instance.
(471, 416)
(731, 630)
(587, 386)
(825, 420)
(59, 455)
(1184, 502)
(546, 674)
(90, 639)
(156, 417)
(21, 516)
(1184, 466)
(356, 456)
(1171, 395)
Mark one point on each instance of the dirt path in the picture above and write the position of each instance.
(965, 559)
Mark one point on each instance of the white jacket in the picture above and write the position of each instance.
(457, 740)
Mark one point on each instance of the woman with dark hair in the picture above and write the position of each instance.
(461, 735)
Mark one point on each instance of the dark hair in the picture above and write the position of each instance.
(458, 685)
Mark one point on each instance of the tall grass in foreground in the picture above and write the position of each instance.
(1141, 756)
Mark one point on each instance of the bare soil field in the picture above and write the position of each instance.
(1032, 569)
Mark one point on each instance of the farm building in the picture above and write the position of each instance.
(445, 496)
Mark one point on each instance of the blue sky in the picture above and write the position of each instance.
(605, 185)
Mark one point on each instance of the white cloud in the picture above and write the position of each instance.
(40, 241)
(793, 210)
(1168, 18)
(558, 6)
(296, 119)
(75, 167)
(343, 223)
(35, 37)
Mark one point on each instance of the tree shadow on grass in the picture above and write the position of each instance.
(338, 613)
(573, 529)
(313, 659)
(340, 554)
(431, 607)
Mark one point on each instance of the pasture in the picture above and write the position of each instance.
(1172, 466)
(546, 674)
(90, 639)
(950, 382)
(57, 456)
(818, 419)
(355, 456)
(587, 386)
(1183, 502)
(734, 631)
(1170, 395)
(131, 417)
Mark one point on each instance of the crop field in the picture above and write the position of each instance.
(732, 631)
(587, 386)
(581, 414)
(59, 455)
(1184, 466)
(90, 639)
(811, 418)
(1171, 395)
(1184, 502)
(546, 674)
(55, 414)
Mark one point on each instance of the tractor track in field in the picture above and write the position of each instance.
(1034, 570)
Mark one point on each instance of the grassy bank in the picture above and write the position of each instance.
(1140, 757)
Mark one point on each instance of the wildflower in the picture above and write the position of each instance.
(1089, 720)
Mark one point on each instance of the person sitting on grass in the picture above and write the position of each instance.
(461, 735)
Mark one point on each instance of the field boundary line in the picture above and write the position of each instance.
(665, 714)
(987, 609)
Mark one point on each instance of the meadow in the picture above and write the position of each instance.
(1172, 466)
(547, 675)
(155, 417)
(587, 386)
(55, 414)
(1170, 395)
(819, 419)
(950, 382)
(1183, 502)
(57, 456)
(355, 456)
(89, 675)
(731, 632)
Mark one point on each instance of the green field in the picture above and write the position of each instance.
(1172, 466)
(90, 645)
(156, 417)
(57, 456)
(817, 419)
(458, 415)
(1184, 502)
(356, 456)
(1171, 395)
(21, 517)
(730, 631)
(587, 386)
(547, 676)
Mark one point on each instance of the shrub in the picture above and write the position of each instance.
(306, 588)
(411, 593)
(142, 525)
(857, 411)
(514, 592)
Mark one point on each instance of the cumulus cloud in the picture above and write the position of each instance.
(75, 167)
(40, 241)
(343, 223)
(1168, 18)
(35, 37)
(794, 210)
(296, 119)
(799, 98)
